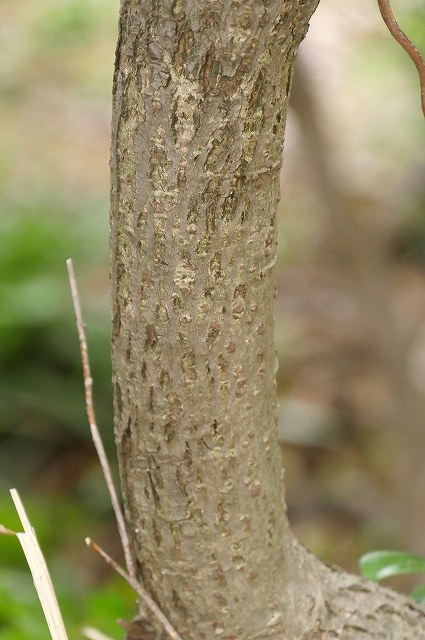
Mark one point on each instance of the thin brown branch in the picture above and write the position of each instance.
(137, 587)
(109, 561)
(403, 40)
(97, 440)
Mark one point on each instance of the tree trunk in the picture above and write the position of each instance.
(200, 99)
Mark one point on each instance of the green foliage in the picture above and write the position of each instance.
(41, 395)
(413, 24)
(378, 565)
(19, 609)
(69, 22)
(33, 248)
(418, 593)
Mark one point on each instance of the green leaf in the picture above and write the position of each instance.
(418, 594)
(378, 565)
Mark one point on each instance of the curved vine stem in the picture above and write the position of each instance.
(389, 19)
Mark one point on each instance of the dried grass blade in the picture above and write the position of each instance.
(39, 572)
(94, 634)
(6, 532)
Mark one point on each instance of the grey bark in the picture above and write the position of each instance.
(200, 99)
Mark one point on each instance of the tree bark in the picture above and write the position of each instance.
(200, 100)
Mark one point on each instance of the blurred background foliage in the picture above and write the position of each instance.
(350, 310)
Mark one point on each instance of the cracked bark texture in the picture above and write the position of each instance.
(200, 99)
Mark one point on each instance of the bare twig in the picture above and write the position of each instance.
(137, 587)
(403, 40)
(110, 561)
(39, 572)
(97, 440)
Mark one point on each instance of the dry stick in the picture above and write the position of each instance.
(136, 586)
(97, 440)
(403, 40)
